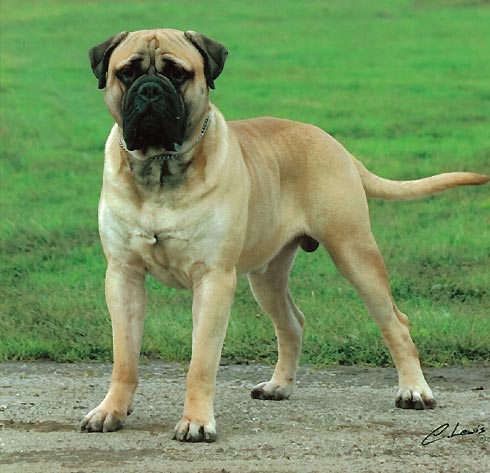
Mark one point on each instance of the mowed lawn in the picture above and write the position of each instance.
(404, 85)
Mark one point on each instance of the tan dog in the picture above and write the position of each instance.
(197, 201)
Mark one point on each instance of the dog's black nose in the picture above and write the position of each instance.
(150, 91)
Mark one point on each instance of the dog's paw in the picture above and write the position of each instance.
(419, 399)
(272, 391)
(189, 431)
(104, 419)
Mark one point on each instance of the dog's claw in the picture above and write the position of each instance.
(188, 431)
(101, 419)
(412, 399)
(271, 391)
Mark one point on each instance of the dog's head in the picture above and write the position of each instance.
(157, 84)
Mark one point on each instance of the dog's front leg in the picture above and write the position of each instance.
(213, 296)
(126, 300)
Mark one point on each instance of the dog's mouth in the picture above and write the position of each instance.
(154, 115)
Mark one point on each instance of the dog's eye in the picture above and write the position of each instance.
(176, 73)
(127, 74)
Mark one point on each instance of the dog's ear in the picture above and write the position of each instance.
(213, 53)
(99, 56)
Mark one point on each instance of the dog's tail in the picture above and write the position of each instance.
(387, 189)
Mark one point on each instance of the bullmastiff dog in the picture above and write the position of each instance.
(197, 201)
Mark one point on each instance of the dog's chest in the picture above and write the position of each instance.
(170, 245)
(163, 255)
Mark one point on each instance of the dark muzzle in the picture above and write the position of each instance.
(153, 115)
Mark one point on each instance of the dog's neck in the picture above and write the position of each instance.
(165, 169)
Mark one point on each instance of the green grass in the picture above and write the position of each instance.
(404, 85)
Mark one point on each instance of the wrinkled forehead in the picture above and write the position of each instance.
(155, 47)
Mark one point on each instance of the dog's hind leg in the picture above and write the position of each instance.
(349, 240)
(271, 291)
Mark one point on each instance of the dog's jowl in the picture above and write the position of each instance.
(197, 201)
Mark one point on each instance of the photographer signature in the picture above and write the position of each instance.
(444, 432)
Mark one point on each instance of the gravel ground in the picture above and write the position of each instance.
(338, 420)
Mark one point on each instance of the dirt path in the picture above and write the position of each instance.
(339, 420)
